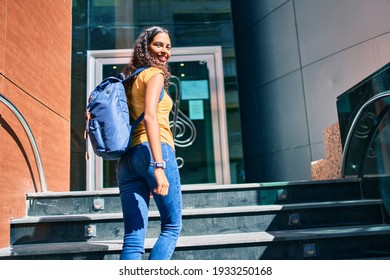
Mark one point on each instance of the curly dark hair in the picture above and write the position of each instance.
(141, 56)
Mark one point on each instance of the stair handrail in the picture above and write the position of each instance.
(31, 138)
(355, 121)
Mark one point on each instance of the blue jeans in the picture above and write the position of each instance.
(136, 181)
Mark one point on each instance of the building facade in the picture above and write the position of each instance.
(258, 84)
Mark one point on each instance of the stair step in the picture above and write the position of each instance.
(290, 244)
(202, 211)
(201, 196)
(330, 219)
(352, 242)
(198, 221)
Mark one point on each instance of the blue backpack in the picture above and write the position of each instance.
(108, 118)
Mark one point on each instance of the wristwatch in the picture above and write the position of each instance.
(160, 165)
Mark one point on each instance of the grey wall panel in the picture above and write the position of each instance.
(330, 77)
(340, 43)
(282, 115)
(381, 50)
(269, 49)
(248, 12)
(317, 151)
(326, 27)
(289, 165)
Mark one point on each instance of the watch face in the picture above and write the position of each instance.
(159, 164)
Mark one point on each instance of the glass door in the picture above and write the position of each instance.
(198, 120)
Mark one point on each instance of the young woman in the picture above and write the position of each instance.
(150, 166)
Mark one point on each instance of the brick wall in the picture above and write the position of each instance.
(35, 63)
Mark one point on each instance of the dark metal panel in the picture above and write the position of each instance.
(269, 50)
(288, 165)
(248, 12)
(281, 117)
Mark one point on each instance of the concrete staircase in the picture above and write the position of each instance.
(335, 219)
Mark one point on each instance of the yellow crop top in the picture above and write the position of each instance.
(136, 101)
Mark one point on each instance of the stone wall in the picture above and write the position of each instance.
(329, 167)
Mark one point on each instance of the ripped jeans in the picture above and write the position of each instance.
(136, 181)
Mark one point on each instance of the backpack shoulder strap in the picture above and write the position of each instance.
(125, 81)
(140, 117)
(161, 94)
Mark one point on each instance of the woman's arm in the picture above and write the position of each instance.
(152, 94)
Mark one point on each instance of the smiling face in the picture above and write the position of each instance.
(160, 47)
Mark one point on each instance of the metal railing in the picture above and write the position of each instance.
(351, 132)
(31, 138)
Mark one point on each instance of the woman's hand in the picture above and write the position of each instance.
(162, 182)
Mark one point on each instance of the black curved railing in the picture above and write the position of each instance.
(366, 153)
(31, 138)
(365, 144)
